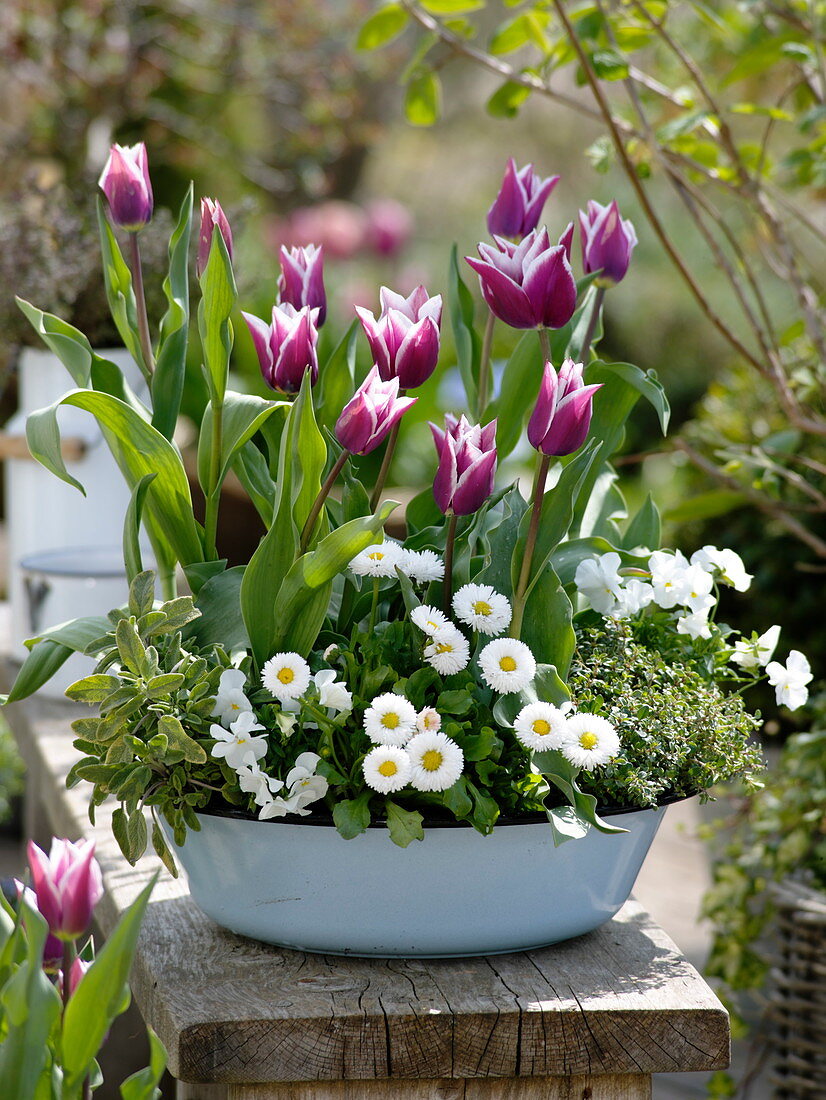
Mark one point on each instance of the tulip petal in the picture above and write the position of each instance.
(550, 286)
(475, 485)
(506, 299)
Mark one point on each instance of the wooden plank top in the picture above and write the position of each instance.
(620, 1000)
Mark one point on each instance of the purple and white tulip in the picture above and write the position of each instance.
(287, 347)
(530, 284)
(607, 242)
(467, 465)
(68, 885)
(212, 216)
(561, 417)
(404, 340)
(126, 185)
(517, 208)
(370, 414)
(301, 282)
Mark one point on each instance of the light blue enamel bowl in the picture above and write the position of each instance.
(454, 893)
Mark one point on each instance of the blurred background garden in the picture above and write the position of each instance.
(381, 132)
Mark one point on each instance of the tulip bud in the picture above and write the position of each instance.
(607, 242)
(126, 185)
(52, 948)
(211, 216)
(517, 208)
(404, 340)
(561, 417)
(467, 465)
(370, 414)
(68, 885)
(78, 969)
(287, 347)
(301, 282)
(527, 285)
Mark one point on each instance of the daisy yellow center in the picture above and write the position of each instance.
(444, 647)
(390, 720)
(507, 664)
(387, 768)
(588, 740)
(432, 625)
(286, 675)
(481, 607)
(541, 727)
(432, 760)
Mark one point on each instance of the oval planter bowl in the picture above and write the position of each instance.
(454, 893)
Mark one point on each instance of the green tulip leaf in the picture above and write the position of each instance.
(119, 293)
(132, 554)
(217, 303)
(644, 530)
(336, 382)
(518, 392)
(468, 346)
(143, 1085)
(170, 365)
(66, 342)
(242, 416)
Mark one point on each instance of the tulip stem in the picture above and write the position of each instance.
(392, 439)
(148, 365)
(447, 584)
(318, 503)
(530, 546)
(545, 344)
(69, 956)
(213, 499)
(484, 368)
(596, 309)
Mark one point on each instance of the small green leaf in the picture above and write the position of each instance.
(405, 826)
(382, 27)
(352, 816)
(609, 65)
(644, 528)
(165, 684)
(92, 689)
(136, 835)
(180, 740)
(130, 647)
(142, 592)
(162, 850)
(423, 98)
(507, 99)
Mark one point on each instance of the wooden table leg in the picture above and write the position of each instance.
(184, 1091)
(613, 1087)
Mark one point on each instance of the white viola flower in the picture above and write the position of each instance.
(422, 566)
(390, 719)
(230, 700)
(332, 693)
(378, 560)
(668, 578)
(428, 720)
(331, 652)
(437, 761)
(727, 563)
(286, 676)
(789, 681)
(598, 580)
(448, 652)
(252, 780)
(750, 655)
(698, 584)
(430, 619)
(236, 743)
(483, 608)
(695, 624)
(632, 597)
(303, 786)
(507, 665)
(387, 768)
(540, 726)
(589, 740)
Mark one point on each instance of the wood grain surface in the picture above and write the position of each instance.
(620, 1001)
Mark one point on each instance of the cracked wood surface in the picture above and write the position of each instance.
(620, 1001)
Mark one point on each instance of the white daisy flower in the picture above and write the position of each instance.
(598, 580)
(390, 719)
(750, 655)
(428, 720)
(481, 607)
(668, 578)
(252, 780)
(540, 726)
(728, 563)
(632, 597)
(507, 665)
(430, 619)
(236, 743)
(230, 700)
(695, 624)
(286, 676)
(449, 651)
(332, 693)
(378, 560)
(387, 769)
(589, 741)
(437, 761)
(422, 566)
(789, 681)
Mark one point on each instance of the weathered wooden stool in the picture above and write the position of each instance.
(591, 1019)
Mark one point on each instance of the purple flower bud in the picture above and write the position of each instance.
(389, 225)
(527, 285)
(125, 183)
(467, 465)
(287, 347)
(517, 208)
(370, 414)
(211, 216)
(607, 242)
(67, 884)
(404, 340)
(561, 417)
(301, 282)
